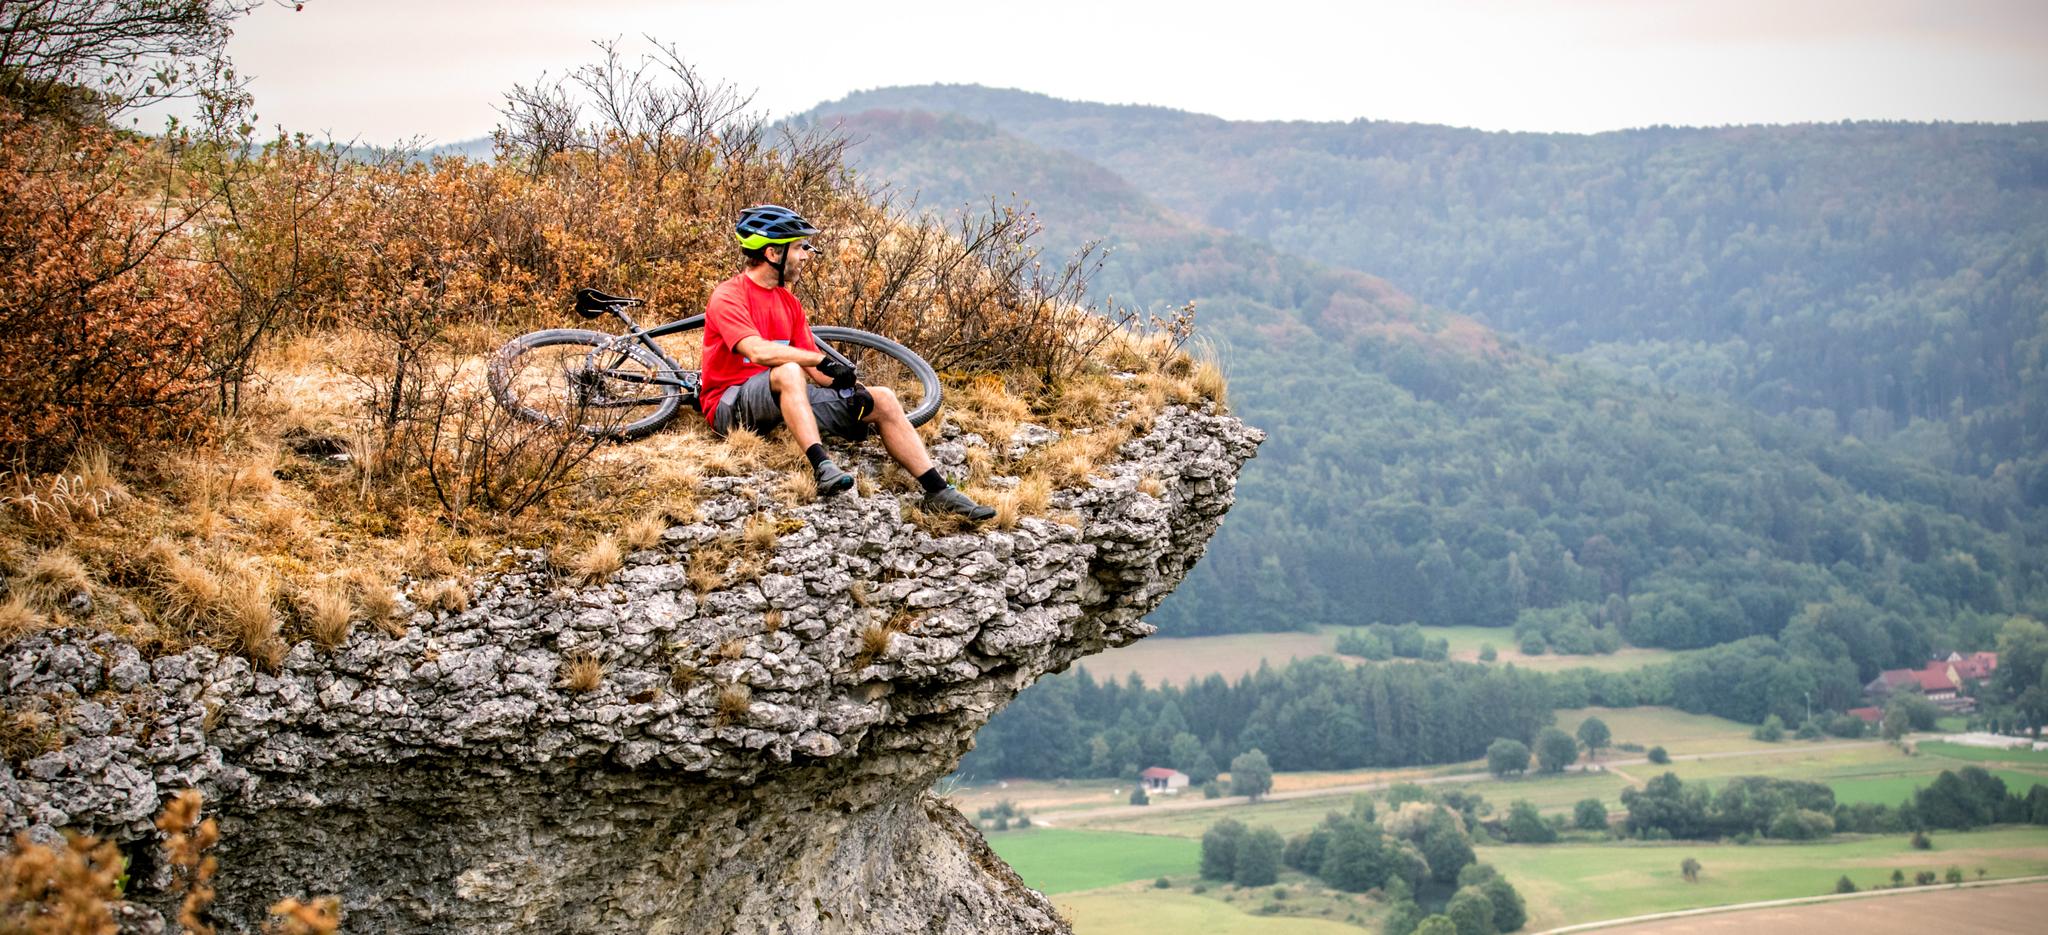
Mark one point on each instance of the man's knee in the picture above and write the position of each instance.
(785, 377)
(887, 406)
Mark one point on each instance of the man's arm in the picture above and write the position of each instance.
(768, 353)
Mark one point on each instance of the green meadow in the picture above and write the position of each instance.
(1565, 884)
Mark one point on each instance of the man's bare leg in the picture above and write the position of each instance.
(793, 395)
(901, 439)
(898, 435)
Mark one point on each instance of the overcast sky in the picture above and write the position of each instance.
(385, 70)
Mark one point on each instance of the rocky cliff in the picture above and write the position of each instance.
(755, 755)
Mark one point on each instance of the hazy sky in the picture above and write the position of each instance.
(384, 70)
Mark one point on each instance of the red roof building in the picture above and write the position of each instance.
(1977, 667)
(1867, 715)
(1161, 779)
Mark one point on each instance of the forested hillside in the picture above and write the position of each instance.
(1422, 468)
(1859, 275)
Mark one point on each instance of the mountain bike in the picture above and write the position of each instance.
(625, 386)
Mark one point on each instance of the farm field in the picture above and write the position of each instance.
(1139, 909)
(1162, 660)
(1032, 796)
(1880, 774)
(1677, 732)
(1059, 860)
(1565, 884)
(1956, 751)
(2015, 908)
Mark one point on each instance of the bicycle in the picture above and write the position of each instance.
(626, 386)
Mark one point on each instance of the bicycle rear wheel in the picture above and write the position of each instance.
(588, 380)
(883, 362)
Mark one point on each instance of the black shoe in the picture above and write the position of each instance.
(832, 480)
(952, 501)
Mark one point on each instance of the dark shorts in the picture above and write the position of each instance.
(753, 404)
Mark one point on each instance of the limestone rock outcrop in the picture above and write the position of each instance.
(755, 756)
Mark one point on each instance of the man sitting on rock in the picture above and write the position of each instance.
(762, 367)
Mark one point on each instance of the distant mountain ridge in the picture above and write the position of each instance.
(1422, 467)
(1860, 270)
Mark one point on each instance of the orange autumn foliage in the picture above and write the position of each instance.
(100, 324)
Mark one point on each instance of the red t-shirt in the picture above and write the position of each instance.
(740, 307)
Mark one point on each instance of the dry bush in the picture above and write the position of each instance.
(66, 890)
(322, 916)
(581, 672)
(187, 838)
(102, 326)
(326, 609)
(600, 561)
(475, 455)
(734, 701)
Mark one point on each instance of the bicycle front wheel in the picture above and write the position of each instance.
(587, 380)
(882, 362)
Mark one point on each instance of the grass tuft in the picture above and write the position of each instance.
(734, 701)
(446, 594)
(644, 531)
(326, 609)
(18, 619)
(761, 533)
(187, 591)
(771, 621)
(582, 672)
(53, 576)
(248, 611)
(597, 564)
(874, 641)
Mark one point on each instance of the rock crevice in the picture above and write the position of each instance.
(754, 756)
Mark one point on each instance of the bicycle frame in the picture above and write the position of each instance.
(684, 381)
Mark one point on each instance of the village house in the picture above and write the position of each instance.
(1941, 681)
(1159, 779)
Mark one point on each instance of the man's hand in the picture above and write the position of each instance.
(842, 374)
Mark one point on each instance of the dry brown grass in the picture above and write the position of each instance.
(1210, 383)
(248, 612)
(1150, 485)
(445, 594)
(187, 591)
(53, 576)
(599, 562)
(730, 650)
(18, 619)
(761, 533)
(644, 532)
(771, 621)
(326, 609)
(874, 641)
(377, 597)
(734, 701)
(1029, 498)
(582, 672)
(797, 488)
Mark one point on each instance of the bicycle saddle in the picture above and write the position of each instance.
(591, 303)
